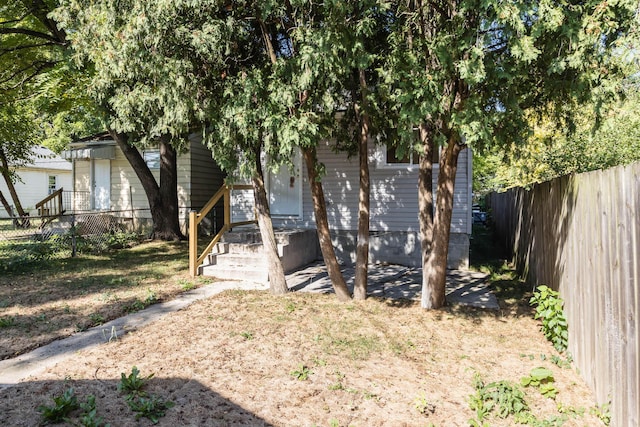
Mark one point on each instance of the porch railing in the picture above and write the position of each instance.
(50, 207)
(195, 259)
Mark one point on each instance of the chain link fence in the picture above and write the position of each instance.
(27, 240)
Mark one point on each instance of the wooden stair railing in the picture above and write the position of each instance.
(195, 218)
(50, 207)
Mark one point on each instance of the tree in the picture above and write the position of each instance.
(17, 135)
(472, 68)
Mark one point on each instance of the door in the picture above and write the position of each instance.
(285, 190)
(101, 184)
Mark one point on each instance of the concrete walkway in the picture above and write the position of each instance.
(388, 281)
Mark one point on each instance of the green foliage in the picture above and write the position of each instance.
(132, 384)
(7, 321)
(542, 378)
(502, 398)
(422, 405)
(89, 417)
(64, 404)
(603, 412)
(549, 309)
(302, 373)
(152, 407)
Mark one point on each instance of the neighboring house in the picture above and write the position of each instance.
(394, 205)
(48, 173)
(103, 179)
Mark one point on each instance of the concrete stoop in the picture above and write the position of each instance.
(240, 255)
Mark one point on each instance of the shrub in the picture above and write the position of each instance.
(549, 309)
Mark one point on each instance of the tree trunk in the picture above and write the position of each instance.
(7, 207)
(322, 224)
(165, 222)
(362, 247)
(170, 229)
(277, 281)
(434, 274)
(425, 195)
(4, 165)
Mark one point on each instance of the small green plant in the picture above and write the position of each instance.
(549, 309)
(133, 383)
(151, 407)
(246, 335)
(302, 373)
(422, 405)
(603, 412)
(151, 298)
(96, 318)
(6, 322)
(89, 417)
(541, 378)
(64, 404)
(560, 362)
(186, 285)
(502, 397)
(291, 307)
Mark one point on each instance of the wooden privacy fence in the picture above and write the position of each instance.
(580, 234)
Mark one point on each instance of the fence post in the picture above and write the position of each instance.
(73, 235)
(193, 243)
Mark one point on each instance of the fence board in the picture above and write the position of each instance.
(581, 235)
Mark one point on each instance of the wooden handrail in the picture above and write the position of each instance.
(195, 218)
(57, 193)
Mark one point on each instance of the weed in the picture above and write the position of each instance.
(136, 305)
(549, 309)
(96, 318)
(502, 397)
(570, 410)
(246, 335)
(151, 298)
(64, 404)
(603, 412)
(89, 417)
(422, 405)
(6, 322)
(302, 373)
(291, 307)
(560, 362)
(132, 384)
(186, 285)
(151, 407)
(542, 378)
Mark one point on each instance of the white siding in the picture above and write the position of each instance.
(33, 186)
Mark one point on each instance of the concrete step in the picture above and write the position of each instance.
(233, 259)
(236, 272)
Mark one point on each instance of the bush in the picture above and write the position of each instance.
(549, 309)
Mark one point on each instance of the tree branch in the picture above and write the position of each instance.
(32, 33)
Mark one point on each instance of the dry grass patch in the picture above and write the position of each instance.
(307, 360)
(67, 295)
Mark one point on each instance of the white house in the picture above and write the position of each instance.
(103, 179)
(47, 173)
(394, 204)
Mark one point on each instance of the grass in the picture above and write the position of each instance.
(488, 256)
(56, 296)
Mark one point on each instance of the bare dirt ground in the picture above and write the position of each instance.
(248, 358)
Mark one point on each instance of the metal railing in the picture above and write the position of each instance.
(195, 259)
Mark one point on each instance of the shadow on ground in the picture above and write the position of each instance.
(194, 404)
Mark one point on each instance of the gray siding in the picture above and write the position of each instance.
(394, 195)
(206, 176)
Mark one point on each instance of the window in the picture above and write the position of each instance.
(152, 158)
(412, 159)
(52, 185)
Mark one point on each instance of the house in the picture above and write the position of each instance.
(104, 181)
(394, 205)
(47, 173)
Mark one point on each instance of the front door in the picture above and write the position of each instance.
(285, 190)
(101, 184)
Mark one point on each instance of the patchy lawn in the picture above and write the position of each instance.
(60, 296)
(249, 358)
